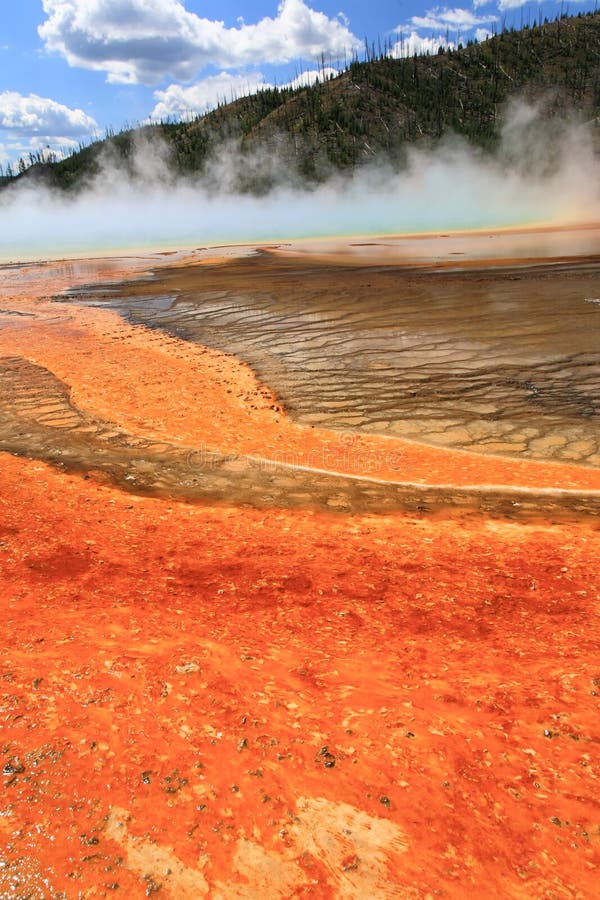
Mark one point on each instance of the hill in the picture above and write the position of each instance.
(378, 106)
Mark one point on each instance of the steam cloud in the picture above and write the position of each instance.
(535, 177)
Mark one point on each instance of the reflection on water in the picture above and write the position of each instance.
(501, 362)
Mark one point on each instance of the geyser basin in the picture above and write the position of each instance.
(444, 189)
(502, 361)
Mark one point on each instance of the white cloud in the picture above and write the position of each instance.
(179, 102)
(305, 79)
(515, 4)
(42, 117)
(511, 4)
(7, 154)
(39, 148)
(415, 43)
(456, 19)
(142, 41)
(442, 23)
(482, 34)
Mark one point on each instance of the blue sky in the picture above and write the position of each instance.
(69, 69)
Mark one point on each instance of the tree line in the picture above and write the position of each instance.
(379, 104)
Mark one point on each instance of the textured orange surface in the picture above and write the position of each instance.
(235, 702)
(162, 387)
(224, 702)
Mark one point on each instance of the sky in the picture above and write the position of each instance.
(72, 69)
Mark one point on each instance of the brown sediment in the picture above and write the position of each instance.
(164, 388)
(39, 420)
(231, 702)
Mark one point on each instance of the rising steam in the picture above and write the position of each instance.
(532, 179)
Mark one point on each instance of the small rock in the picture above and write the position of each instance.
(187, 668)
(89, 841)
(14, 766)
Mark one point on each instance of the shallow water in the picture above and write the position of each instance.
(503, 361)
(38, 420)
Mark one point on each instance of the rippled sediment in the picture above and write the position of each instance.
(38, 419)
(495, 361)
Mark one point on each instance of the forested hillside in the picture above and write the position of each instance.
(378, 106)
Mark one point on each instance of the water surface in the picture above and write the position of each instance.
(502, 361)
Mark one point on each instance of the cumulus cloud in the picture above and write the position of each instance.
(41, 149)
(416, 43)
(440, 22)
(179, 102)
(503, 5)
(143, 41)
(458, 19)
(305, 79)
(512, 4)
(40, 116)
(7, 154)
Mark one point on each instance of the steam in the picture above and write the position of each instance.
(532, 179)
